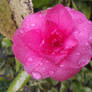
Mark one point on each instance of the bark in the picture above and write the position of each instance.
(12, 12)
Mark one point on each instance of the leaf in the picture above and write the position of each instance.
(43, 3)
(19, 82)
(53, 90)
(68, 2)
(4, 85)
(64, 86)
(87, 89)
(83, 6)
(6, 43)
(18, 65)
(74, 5)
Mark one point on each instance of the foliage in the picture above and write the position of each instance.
(11, 70)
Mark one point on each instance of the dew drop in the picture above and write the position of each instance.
(21, 31)
(30, 59)
(33, 25)
(51, 72)
(36, 75)
(42, 43)
(49, 8)
(41, 63)
(61, 65)
(47, 61)
(78, 53)
(90, 38)
(87, 44)
(40, 15)
(54, 31)
(75, 33)
(43, 68)
(82, 62)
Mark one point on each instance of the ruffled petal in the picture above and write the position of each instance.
(59, 15)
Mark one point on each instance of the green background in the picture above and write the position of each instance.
(11, 71)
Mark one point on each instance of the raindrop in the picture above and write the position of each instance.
(87, 44)
(30, 59)
(36, 75)
(75, 33)
(54, 31)
(40, 15)
(33, 25)
(21, 31)
(61, 65)
(41, 63)
(51, 72)
(42, 43)
(49, 8)
(47, 61)
(78, 53)
(90, 38)
(43, 68)
(82, 62)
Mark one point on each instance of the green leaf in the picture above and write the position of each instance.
(91, 63)
(4, 85)
(6, 43)
(83, 6)
(53, 90)
(74, 5)
(19, 82)
(43, 3)
(68, 2)
(87, 89)
(64, 86)
(18, 65)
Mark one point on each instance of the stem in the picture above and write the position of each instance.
(19, 82)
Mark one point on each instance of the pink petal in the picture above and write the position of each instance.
(59, 15)
(36, 65)
(33, 21)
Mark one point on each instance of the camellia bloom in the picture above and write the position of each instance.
(55, 43)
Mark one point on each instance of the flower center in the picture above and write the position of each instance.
(53, 41)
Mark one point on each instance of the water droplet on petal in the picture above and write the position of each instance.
(41, 63)
(33, 25)
(21, 31)
(82, 62)
(90, 38)
(87, 44)
(75, 33)
(47, 61)
(49, 8)
(54, 31)
(36, 75)
(42, 43)
(78, 53)
(51, 72)
(43, 68)
(61, 65)
(30, 59)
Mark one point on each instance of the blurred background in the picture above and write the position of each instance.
(11, 69)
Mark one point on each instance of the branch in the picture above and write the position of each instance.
(12, 12)
(20, 9)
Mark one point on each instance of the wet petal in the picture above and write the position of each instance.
(62, 18)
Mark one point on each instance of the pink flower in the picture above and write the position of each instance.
(55, 43)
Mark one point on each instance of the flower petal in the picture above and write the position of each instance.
(59, 15)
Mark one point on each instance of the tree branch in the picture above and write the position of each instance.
(12, 12)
